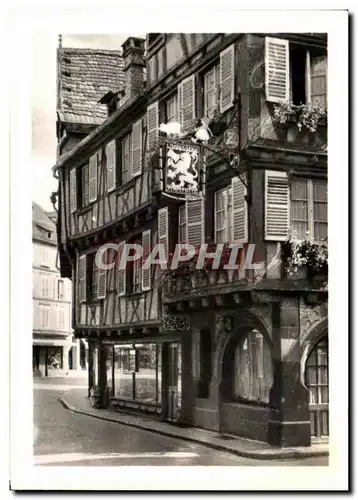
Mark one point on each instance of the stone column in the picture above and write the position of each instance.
(90, 368)
(43, 361)
(165, 377)
(188, 389)
(65, 351)
(76, 352)
(289, 423)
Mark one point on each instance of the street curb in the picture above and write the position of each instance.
(241, 453)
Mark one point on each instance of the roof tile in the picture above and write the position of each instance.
(85, 76)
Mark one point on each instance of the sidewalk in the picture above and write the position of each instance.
(76, 400)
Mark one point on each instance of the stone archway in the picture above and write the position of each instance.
(231, 416)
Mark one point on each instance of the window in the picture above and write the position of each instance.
(317, 382)
(182, 224)
(60, 285)
(137, 372)
(44, 260)
(44, 286)
(223, 215)
(62, 319)
(126, 159)
(211, 91)
(309, 208)
(295, 73)
(171, 106)
(136, 273)
(84, 186)
(44, 316)
(92, 273)
(308, 76)
(253, 370)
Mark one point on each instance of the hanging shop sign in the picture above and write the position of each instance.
(231, 138)
(182, 169)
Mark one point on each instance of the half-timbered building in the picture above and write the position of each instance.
(238, 351)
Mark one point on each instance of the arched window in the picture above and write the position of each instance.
(316, 379)
(253, 370)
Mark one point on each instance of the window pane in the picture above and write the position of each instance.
(313, 395)
(321, 230)
(323, 375)
(311, 376)
(253, 374)
(319, 190)
(313, 423)
(324, 423)
(145, 377)
(299, 189)
(299, 229)
(220, 236)
(323, 393)
(219, 199)
(123, 383)
(320, 211)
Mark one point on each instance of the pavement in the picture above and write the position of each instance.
(87, 437)
(77, 401)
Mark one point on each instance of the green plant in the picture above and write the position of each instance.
(306, 115)
(305, 252)
(282, 112)
(309, 116)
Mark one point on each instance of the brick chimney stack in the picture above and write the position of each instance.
(134, 64)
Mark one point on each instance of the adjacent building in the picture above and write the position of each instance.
(55, 351)
(241, 351)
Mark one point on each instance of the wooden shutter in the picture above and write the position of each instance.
(277, 205)
(239, 211)
(152, 125)
(121, 273)
(186, 93)
(73, 190)
(137, 148)
(102, 282)
(277, 70)
(163, 228)
(92, 178)
(227, 78)
(82, 270)
(146, 244)
(195, 221)
(111, 165)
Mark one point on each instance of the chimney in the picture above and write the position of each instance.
(134, 65)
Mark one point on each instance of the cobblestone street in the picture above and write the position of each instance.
(66, 438)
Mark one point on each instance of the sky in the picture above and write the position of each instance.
(43, 99)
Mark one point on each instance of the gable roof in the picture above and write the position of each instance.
(43, 228)
(84, 77)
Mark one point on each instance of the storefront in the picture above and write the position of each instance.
(140, 376)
